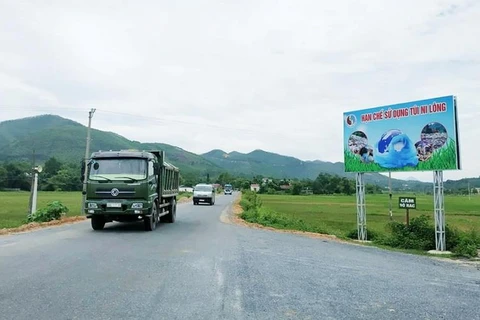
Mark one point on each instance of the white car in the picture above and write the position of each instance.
(203, 192)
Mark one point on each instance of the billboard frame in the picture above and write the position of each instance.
(426, 131)
(438, 190)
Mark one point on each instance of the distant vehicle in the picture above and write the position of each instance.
(203, 192)
(128, 186)
(227, 189)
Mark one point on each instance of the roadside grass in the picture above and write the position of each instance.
(184, 194)
(336, 215)
(14, 205)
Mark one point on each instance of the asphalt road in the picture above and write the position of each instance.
(202, 268)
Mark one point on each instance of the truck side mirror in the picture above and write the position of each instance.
(156, 169)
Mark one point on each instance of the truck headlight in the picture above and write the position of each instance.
(137, 205)
(92, 205)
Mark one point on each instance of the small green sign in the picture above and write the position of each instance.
(407, 202)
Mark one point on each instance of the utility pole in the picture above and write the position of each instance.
(31, 182)
(469, 197)
(87, 152)
(390, 194)
(36, 171)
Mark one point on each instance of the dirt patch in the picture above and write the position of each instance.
(38, 225)
(463, 262)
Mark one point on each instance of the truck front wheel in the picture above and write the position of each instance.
(98, 223)
(151, 222)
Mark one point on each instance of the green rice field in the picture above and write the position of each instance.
(14, 205)
(337, 214)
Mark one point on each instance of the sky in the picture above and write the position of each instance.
(240, 75)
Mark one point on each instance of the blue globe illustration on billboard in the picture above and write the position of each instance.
(386, 139)
(395, 150)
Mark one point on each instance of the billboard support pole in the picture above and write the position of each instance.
(390, 193)
(439, 209)
(361, 208)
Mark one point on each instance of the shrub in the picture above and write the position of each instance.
(419, 234)
(452, 237)
(468, 245)
(371, 235)
(54, 211)
(246, 205)
(466, 248)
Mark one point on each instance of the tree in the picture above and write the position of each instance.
(321, 184)
(3, 177)
(189, 179)
(66, 179)
(348, 186)
(224, 178)
(257, 179)
(372, 189)
(52, 166)
(17, 176)
(296, 188)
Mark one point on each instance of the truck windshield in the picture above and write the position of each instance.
(118, 169)
(228, 187)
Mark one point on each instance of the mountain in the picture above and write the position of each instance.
(412, 179)
(464, 184)
(51, 135)
(259, 162)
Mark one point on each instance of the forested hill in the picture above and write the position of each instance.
(64, 139)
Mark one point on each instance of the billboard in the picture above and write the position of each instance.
(411, 136)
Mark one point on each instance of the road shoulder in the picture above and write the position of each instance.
(232, 215)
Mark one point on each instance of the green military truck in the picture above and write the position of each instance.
(129, 186)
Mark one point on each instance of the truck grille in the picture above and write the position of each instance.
(114, 193)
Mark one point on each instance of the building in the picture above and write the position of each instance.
(255, 187)
(185, 189)
(266, 180)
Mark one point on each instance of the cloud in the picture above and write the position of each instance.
(238, 75)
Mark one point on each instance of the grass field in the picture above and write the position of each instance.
(14, 205)
(337, 214)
